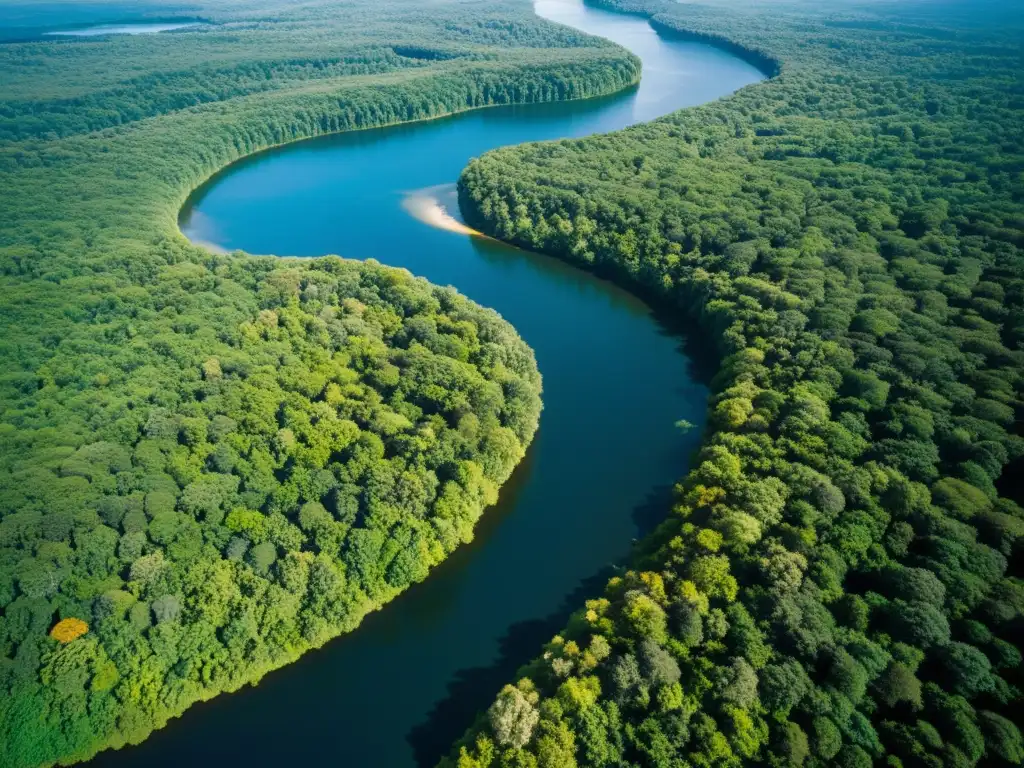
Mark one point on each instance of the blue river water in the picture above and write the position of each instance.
(398, 691)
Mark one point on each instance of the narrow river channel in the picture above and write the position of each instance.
(402, 687)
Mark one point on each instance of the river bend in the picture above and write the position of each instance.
(398, 690)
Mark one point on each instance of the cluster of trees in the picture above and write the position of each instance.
(217, 499)
(60, 87)
(210, 463)
(838, 581)
(160, 93)
(473, 84)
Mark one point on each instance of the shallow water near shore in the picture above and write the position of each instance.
(398, 690)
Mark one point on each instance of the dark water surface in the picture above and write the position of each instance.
(402, 687)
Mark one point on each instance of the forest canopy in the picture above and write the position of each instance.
(838, 581)
(211, 463)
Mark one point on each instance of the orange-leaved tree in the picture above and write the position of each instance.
(67, 630)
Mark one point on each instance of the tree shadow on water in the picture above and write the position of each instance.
(471, 690)
(655, 508)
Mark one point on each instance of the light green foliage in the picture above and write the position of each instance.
(644, 617)
(513, 718)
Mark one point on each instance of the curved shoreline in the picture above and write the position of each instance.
(436, 216)
(189, 199)
(768, 65)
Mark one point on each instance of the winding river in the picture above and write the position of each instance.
(401, 688)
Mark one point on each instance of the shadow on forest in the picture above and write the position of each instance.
(471, 690)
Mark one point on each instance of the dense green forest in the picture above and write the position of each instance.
(838, 581)
(210, 463)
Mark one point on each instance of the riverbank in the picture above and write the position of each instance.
(573, 507)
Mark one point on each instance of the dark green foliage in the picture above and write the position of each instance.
(793, 746)
(1002, 737)
(919, 624)
(969, 671)
(898, 685)
(849, 236)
